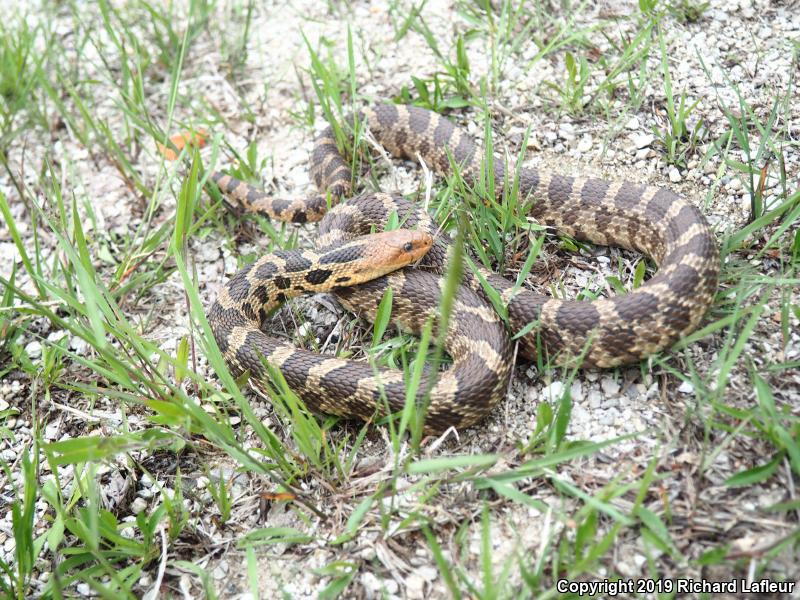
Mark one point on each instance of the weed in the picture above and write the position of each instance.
(572, 92)
(678, 137)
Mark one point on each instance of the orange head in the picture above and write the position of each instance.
(380, 253)
(403, 246)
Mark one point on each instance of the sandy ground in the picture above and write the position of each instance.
(744, 43)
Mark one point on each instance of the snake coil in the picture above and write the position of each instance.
(606, 332)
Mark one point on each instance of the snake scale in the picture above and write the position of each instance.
(607, 331)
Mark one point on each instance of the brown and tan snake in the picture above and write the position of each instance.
(607, 332)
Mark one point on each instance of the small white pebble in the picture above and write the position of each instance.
(51, 431)
(610, 387)
(220, 571)
(576, 391)
(33, 349)
(138, 505)
(566, 131)
(428, 573)
(686, 388)
(553, 392)
(643, 140)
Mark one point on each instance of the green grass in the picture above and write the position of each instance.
(497, 517)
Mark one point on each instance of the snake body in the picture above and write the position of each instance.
(605, 332)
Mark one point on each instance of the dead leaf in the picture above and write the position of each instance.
(196, 138)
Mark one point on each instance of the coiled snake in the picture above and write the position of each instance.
(606, 332)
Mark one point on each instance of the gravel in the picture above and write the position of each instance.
(741, 42)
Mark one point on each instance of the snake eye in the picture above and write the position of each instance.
(408, 247)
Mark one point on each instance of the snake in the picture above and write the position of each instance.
(602, 333)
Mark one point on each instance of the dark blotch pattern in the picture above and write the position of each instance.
(628, 197)
(442, 133)
(478, 375)
(684, 277)
(681, 222)
(342, 255)
(324, 146)
(594, 190)
(254, 194)
(400, 138)
(659, 204)
(465, 150)
(296, 262)
(603, 216)
(265, 271)
(238, 287)
(333, 165)
(261, 293)
(697, 245)
(252, 352)
(222, 321)
(424, 147)
(318, 276)
(318, 204)
(344, 380)
(295, 369)
(559, 191)
(528, 182)
(279, 205)
(418, 119)
(387, 115)
(578, 317)
(249, 312)
(640, 308)
(623, 339)
(282, 283)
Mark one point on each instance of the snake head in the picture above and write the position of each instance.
(374, 255)
(404, 246)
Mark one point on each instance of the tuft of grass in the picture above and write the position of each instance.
(21, 72)
(678, 137)
(449, 88)
(687, 11)
(572, 93)
(756, 162)
(506, 26)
